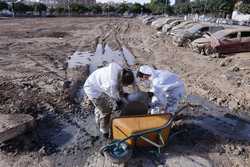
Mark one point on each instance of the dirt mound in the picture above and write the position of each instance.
(27, 98)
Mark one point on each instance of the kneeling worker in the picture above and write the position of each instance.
(167, 88)
(104, 88)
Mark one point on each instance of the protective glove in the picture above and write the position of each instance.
(150, 94)
(155, 110)
(125, 95)
(119, 103)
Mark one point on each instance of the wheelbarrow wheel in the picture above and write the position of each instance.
(118, 160)
(116, 157)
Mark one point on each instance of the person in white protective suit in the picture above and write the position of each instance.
(167, 88)
(104, 88)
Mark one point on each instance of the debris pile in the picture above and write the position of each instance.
(29, 97)
(81, 64)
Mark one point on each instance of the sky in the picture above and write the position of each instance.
(139, 1)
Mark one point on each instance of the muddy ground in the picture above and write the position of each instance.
(32, 72)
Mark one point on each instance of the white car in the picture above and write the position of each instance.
(159, 23)
(167, 27)
(6, 13)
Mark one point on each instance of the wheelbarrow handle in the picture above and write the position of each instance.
(181, 109)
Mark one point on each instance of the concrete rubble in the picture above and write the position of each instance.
(12, 125)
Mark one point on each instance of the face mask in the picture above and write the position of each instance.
(144, 85)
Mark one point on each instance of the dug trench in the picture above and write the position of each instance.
(66, 134)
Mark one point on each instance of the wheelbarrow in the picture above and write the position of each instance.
(142, 131)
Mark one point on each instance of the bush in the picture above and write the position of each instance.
(214, 7)
(122, 8)
(75, 8)
(183, 8)
(39, 7)
(146, 8)
(107, 8)
(3, 5)
(96, 9)
(160, 8)
(60, 10)
(244, 8)
(135, 8)
(22, 8)
(52, 11)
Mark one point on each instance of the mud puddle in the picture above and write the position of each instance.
(71, 137)
(64, 139)
(218, 120)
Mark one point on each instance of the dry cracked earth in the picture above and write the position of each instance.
(32, 72)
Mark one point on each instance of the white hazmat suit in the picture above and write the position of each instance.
(167, 87)
(103, 89)
(103, 80)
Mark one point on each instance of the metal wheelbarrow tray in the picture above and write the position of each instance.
(142, 131)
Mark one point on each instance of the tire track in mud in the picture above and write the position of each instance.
(46, 68)
(101, 38)
(120, 31)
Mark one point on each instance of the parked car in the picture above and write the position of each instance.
(159, 23)
(223, 42)
(184, 38)
(128, 15)
(148, 20)
(143, 17)
(167, 27)
(6, 13)
(238, 16)
(181, 26)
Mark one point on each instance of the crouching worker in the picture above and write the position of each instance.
(104, 88)
(167, 88)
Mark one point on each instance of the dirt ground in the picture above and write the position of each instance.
(32, 72)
